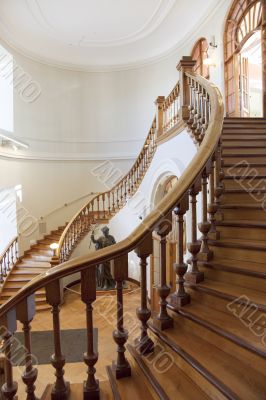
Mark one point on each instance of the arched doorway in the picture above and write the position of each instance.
(243, 59)
(199, 54)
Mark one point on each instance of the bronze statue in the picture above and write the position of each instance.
(105, 280)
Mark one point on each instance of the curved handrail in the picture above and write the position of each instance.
(8, 258)
(187, 181)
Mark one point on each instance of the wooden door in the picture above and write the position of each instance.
(232, 86)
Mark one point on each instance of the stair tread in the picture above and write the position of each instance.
(175, 382)
(234, 327)
(242, 223)
(246, 243)
(242, 206)
(231, 291)
(246, 383)
(245, 266)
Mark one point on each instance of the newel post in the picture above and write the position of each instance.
(263, 44)
(144, 343)
(159, 115)
(163, 320)
(121, 367)
(186, 64)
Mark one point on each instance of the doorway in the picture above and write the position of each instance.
(243, 59)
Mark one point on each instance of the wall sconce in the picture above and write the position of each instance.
(54, 247)
(210, 60)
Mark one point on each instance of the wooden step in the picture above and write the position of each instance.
(236, 158)
(227, 373)
(233, 168)
(226, 325)
(246, 140)
(170, 381)
(132, 387)
(255, 196)
(244, 211)
(214, 270)
(230, 293)
(245, 182)
(239, 249)
(237, 229)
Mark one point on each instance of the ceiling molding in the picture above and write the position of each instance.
(191, 35)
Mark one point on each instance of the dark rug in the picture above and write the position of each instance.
(73, 342)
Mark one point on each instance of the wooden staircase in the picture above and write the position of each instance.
(35, 261)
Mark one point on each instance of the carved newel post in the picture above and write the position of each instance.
(163, 320)
(180, 297)
(159, 115)
(186, 64)
(144, 343)
(121, 367)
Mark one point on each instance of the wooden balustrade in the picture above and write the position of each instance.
(200, 100)
(8, 259)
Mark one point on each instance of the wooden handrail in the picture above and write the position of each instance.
(184, 183)
(8, 258)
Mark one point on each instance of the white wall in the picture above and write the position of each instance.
(83, 116)
(8, 212)
(171, 158)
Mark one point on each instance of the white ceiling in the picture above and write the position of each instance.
(99, 33)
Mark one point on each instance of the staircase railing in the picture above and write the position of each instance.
(202, 109)
(8, 259)
(103, 206)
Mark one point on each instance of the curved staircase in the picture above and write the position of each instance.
(207, 337)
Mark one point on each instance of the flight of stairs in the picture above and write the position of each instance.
(35, 261)
(218, 342)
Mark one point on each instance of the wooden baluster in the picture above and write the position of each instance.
(16, 249)
(8, 328)
(109, 203)
(212, 207)
(91, 390)
(103, 205)
(8, 261)
(54, 297)
(12, 255)
(219, 175)
(204, 226)
(113, 201)
(163, 320)
(194, 275)
(1, 272)
(5, 266)
(144, 343)
(180, 297)
(98, 207)
(121, 367)
(25, 313)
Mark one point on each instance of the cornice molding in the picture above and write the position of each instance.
(115, 67)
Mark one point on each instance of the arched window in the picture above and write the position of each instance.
(243, 21)
(199, 54)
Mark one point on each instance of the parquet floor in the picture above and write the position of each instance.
(72, 316)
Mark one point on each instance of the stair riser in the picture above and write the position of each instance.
(239, 254)
(234, 170)
(222, 343)
(249, 183)
(241, 130)
(242, 233)
(231, 159)
(242, 198)
(229, 142)
(247, 151)
(237, 279)
(196, 377)
(220, 304)
(238, 214)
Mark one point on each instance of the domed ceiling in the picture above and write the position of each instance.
(101, 33)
